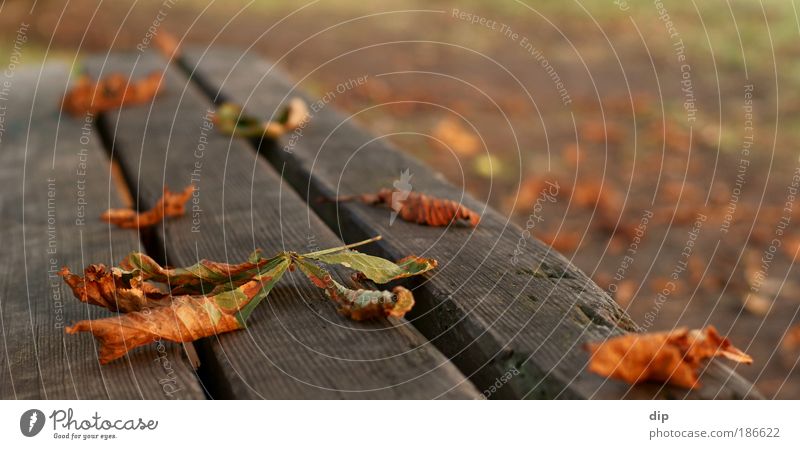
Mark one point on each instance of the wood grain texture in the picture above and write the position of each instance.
(296, 345)
(491, 316)
(50, 164)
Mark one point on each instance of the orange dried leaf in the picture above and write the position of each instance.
(571, 156)
(668, 357)
(171, 204)
(114, 289)
(186, 319)
(791, 340)
(626, 291)
(456, 138)
(419, 208)
(183, 318)
(601, 131)
(563, 241)
(791, 247)
(672, 134)
(109, 93)
(756, 303)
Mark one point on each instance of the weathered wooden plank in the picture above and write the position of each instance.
(523, 323)
(296, 345)
(55, 181)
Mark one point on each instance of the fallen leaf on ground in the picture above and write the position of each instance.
(638, 103)
(456, 137)
(756, 303)
(791, 247)
(109, 93)
(791, 339)
(199, 278)
(668, 357)
(756, 299)
(418, 207)
(626, 290)
(571, 156)
(231, 120)
(562, 241)
(671, 134)
(171, 204)
(488, 166)
(600, 131)
(210, 298)
(532, 190)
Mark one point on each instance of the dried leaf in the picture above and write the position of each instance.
(626, 290)
(231, 120)
(109, 93)
(201, 277)
(186, 318)
(756, 303)
(563, 241)
(791, 246)
(456, 138)
(670, 357)
(209, 298)
(359, 304)
(114, 289)
(488, 166)
(171, 204)
(572, 156)
(375, 268)
(601, 131)
(418, 207)
(673, 135)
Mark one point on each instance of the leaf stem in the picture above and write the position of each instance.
(342, 248)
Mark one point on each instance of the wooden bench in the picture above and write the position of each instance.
(482, 326)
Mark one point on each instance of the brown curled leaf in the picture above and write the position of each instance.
(358, 304)
(419, 208)
(668, 357)
(231, 120)
(188, 318)
(114, 289)
(112, 92)
(171, 204)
